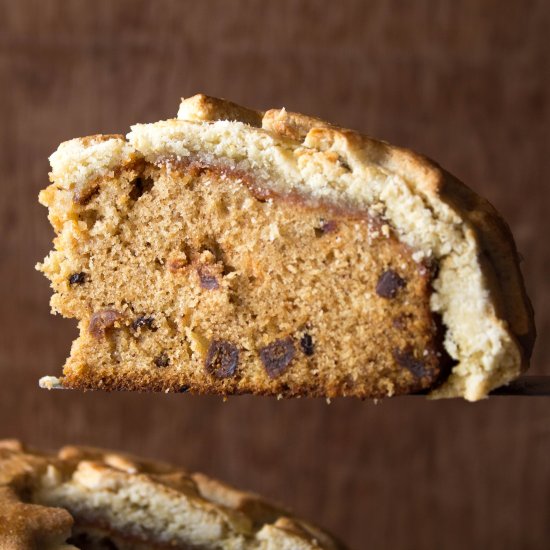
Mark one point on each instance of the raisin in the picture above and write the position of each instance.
(222, 359)
(326, 226)
(208, 281)
(140, 186)
(389, 283)
(277, 356)
(77, 278)
(143, 321)
(406, 359)
(306, 344)
(161, 360)
(103, 320)
(400, 322)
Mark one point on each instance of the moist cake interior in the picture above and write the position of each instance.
(189, 276)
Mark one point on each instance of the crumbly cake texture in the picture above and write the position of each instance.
(93, 499)
(231, 251)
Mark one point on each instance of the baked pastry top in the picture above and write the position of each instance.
(232, 250)
(92, 499)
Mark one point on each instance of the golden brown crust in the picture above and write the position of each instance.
(205, 108)
(498, 244)
(25, 524)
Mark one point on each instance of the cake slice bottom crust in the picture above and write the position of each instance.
(187, 276)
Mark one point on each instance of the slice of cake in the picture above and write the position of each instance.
(94, 499)
(233, 251)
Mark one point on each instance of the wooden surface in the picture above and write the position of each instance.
(467, 83)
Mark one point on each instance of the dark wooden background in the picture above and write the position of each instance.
(465, 82)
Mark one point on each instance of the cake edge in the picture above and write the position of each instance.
(24, 469)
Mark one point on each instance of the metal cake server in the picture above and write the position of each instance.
(525, 386)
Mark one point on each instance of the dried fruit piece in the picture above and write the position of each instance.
(103, 320)
(277, 356)
(406, 359)
(222, 359)
(401, 321)
(389, 283)
(326, 226)
(161, 360)
(77, 278)
(143, 321)
(208, 281)
(306, 343)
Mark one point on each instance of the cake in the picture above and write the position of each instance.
(234, 251)
(93, 499)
